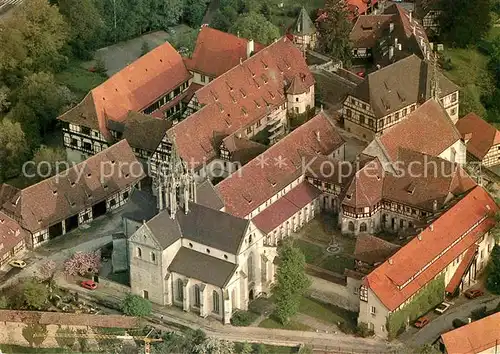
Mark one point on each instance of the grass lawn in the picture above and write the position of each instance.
(78, 79)
(337, 263)
(469, 66)
(327, 312)
(292, 325)
(311, 251)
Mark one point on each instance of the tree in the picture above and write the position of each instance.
(48, 161)
(65, 337)
(82, 263)
(4, 98)
(13, 148)
(40, 30)
(35, 294)
(134, 305)
(82, 341)
(246, 348)
(255, 26)
(86, 26)
(187, 41)
(334, 31)
(464, 22)
(194, 10)
(265, 10)
(214, 346)
(493, 279)
(4, 302)
(35, 334)
(291, 281)
(165, 13)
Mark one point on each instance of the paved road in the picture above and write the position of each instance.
(443, 323)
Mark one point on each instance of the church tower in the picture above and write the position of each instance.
(176, 184)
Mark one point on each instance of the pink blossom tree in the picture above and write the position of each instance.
(82, 263)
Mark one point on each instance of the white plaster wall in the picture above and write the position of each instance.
(377, 321)
(460, 152)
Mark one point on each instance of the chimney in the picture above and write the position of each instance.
(420, 236)
(250, 48)
(410, 15)
(435, 205)
(431, 227)
(391, 27)
(238, 34)
(395, 42)
(469, 320)
(414, 30)
(241, 61)
(317, 136)
(391, 52)
(391, 261)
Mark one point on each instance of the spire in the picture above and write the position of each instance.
(435, 91)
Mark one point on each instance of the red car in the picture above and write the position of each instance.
(473, 293)
(421, 322)
(89, 284)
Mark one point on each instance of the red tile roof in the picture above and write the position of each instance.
(365, 190)
(368, 30)
(133, 88)
(403, 275)
(66, 194)
(476, 337)
(282, 163)
(372, 250)
(239, 98)
(461, 269)
(430, 123)
(216, 52)
(483, 135)
(10, 234)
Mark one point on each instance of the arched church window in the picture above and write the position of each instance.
(362, 227)
(180, 290)
(215, 302)
(351, 226)
(139, 252)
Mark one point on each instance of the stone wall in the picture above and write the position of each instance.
(332, 293)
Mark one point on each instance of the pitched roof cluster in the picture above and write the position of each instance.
(69, 192)
(11, 234)
(479, 135)
(372, 250)
(453, 233)
(216, 52)
(386, 92)
(277, 167)
(133, 88)
(240, 97)
(430, 123)
(475, 337)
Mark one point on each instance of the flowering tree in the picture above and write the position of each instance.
(47, 270)
(82, 263)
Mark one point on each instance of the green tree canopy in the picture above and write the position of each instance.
(255, 26)
(334, 31)
(35, 294)
(13, 148)
(291, 281)
(493, 280)
(134, 305)
(464, 22)
(194, 10)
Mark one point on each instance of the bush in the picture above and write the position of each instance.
(478, 313)
(344, 327)
(243, 318)
(134, 305)
(457, 323)
(363, 331)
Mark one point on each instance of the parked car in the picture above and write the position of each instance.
(421, 322)
(442, 307)
(89, 284)
(473, 293)
(17, 263)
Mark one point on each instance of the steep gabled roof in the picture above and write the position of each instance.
(11, 234)
(278, 166)
(386, 92)
(368, 29)
(303, 25)
(475, 337)
(133, 88)
(457, 229)
(216, 52)
(372, 250)
(365, 190)
(66, 194)
(482, 135)
(238, 98)
(143, 131)
(430, 122)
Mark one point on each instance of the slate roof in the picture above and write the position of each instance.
(143, 131)
(207, 195)
(212, 227)
(257, 182)
(59, 197)
(216, 52)
(475, 337)
(133, 88)
(386, 92)
(165, 229)
(482, 135)
(202, 267)
(141, 206)
(372, 250)
(404, 274)
(430, 122)
(238, 98)
(303, 25)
